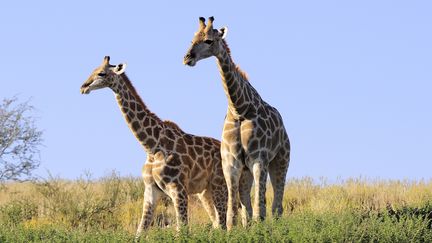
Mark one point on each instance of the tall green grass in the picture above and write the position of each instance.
(108, 210)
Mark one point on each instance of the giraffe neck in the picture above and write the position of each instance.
(240, 93)
(145, 125)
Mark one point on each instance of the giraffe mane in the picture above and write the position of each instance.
(138, 98)
(228, 50)
(242, 73)
(172, 125)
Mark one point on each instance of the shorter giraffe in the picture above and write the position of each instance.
(178, 164)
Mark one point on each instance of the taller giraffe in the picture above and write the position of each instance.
(178, 164)
(254, 139)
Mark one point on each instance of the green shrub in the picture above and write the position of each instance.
(16, 212)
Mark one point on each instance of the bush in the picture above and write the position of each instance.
(17, 212)
(19, 141)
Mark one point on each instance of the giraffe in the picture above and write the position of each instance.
(178, 164)
(254, 140)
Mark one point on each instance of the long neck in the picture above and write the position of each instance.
(145, 125)
(238, 90)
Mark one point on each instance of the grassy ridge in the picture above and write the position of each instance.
(108, 210)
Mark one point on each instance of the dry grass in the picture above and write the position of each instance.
(357, 194)
(115, 202)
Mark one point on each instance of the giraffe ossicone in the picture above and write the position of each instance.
(178, 164)
(254, 140)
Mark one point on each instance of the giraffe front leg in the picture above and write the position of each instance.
(151, 195)
(245, 187)
(232, 171)
(180, 200)
(260, 179)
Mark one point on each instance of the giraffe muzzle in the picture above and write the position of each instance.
(85, 89)
(189, 59)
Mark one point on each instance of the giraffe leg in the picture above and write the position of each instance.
(260, 179)
(245, 187)
(277, 170)
(151, 195)
(219, 198)
(180, 200)
(207, 202)
(232, 171)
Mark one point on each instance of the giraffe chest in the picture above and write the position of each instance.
(162, 168)
(250, 139)
(239, 133)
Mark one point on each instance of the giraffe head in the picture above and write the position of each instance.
(207, 42)
(106, 75)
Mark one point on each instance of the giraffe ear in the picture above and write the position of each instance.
(120, 68)
(223, 32)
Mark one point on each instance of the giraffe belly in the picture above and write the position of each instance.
(199, 181)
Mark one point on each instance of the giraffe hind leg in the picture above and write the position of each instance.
(207, 202)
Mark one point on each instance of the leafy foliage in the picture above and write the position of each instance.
(19, 141)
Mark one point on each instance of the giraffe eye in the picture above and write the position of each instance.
(101, 74)
(209, 42)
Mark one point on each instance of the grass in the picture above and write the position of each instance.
(108, 210)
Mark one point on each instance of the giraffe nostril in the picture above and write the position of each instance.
(189, 55)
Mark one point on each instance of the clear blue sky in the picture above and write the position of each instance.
(352, 79)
